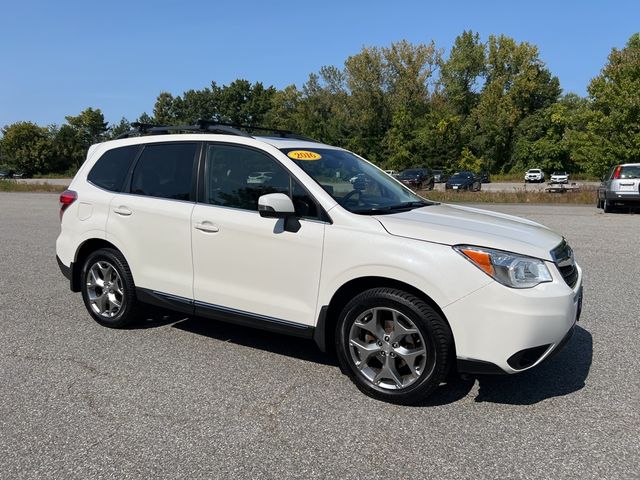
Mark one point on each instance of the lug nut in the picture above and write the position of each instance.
(393, 354)
(395, 345)
(382, 353)
(379, 342)
(386, 338)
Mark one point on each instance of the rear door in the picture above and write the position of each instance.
(151, 221)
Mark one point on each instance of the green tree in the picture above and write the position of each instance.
(461, 72)
(541, 138)
(74, 138)
(612, 125)
(26, 146)
(119, 128)
(368, 106)
(517, 84)
(163, 110)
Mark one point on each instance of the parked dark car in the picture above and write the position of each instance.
(464, 181)
(6, 174)
(21, 174)
(417, 178)
(620, 187)
(484, 177)
(439, 176)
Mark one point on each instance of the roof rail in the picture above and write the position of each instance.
(207, 126)
(279, 132)
(139, 129)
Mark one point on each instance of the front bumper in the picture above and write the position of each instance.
(500, 329)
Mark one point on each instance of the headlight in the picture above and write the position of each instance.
(510, 269)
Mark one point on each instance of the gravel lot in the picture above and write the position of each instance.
(188, 398)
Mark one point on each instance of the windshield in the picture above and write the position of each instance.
(354, 183)
(559, 173)
(461, 176)
(533, 171)
(411, 173)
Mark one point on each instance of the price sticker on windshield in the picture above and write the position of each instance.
(304, 155)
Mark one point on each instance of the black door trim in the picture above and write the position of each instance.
(225, 314)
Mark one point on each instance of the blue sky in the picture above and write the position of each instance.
(57, 58)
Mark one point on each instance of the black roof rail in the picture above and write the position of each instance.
(152, 129)
(279, 132)
(208, 126)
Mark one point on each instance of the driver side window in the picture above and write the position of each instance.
(237, 176)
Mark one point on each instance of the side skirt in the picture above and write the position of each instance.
(218, 312)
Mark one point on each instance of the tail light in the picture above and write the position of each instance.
(67, 198)
(616, 174)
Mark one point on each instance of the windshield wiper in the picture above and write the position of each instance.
(400, 207)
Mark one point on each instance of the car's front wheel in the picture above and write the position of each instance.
(393, 345)
(108, 290)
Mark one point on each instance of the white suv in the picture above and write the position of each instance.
(534, 175)
(404, 289)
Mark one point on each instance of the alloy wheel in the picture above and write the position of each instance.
(387, 348)
(105, 289)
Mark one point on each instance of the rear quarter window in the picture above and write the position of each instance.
(112, 167)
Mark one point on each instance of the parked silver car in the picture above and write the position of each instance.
(620, 187)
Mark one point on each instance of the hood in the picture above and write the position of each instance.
(454, 225)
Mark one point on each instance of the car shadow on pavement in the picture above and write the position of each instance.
(300, 348)
(560, 375)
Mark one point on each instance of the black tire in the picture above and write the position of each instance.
(607, 206)
(129, 309)
(431, 185)
(438, 342)
(598, 203)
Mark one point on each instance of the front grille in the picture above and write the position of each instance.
(563, 257)
(570, 274)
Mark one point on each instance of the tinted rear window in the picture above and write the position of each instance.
(631, 171)
(111, 169)
(165, 171)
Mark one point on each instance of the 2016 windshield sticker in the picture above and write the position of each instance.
(304, 155)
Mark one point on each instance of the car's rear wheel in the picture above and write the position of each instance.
(393, 345)
(108, 290)
(607, 206)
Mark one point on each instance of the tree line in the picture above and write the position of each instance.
(488, 105)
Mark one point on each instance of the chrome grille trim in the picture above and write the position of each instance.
(563, 257)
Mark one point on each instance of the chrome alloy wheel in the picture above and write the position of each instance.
(104, 289)
(387, 348)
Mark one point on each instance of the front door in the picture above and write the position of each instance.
(247, 264)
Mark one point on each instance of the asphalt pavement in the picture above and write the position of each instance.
(189, 398)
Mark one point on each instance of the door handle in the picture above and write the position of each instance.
(207, 227)
(124, 211)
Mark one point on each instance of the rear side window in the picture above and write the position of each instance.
(165, 171)
(111, 168)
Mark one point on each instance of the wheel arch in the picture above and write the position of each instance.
(324, 332)
(84, 250)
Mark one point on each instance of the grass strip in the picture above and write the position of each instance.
(13, 186)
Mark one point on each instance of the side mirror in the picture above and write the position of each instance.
(275, 205)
